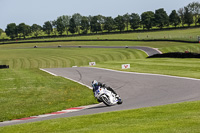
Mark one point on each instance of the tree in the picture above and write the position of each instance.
(181, 15)
(21, 29)
(11, 30)
(66, 20)
(60, 25)
(126, 20)
(95, 25)
(47, 27)
(148, 19)
(54, 24)
(24, 30)
(89, 20)
(101, 21)
(1, 31)
(85, 25)
(134, 21)
(77, 19)
(119, 21)
(194, 8)
(161, 18)
(109, 24)
(72, 26)
(198, 21)
(174, 18)
(188, 17)
(36, 29)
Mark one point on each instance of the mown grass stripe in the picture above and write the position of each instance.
(77, 60)
(28, 63)
(111, 56)
(65, 61)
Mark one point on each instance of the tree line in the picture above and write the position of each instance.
(83, 24)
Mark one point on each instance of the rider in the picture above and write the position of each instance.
(96, 86)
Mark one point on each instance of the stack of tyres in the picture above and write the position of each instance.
(4, 66)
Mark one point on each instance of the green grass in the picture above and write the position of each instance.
(29, 92)
(26, 91)
(187, 34)
(163, 46)
(166, 66)
(65, 57)
(181, 48)
(22, 61)
(175, 118)
(24, 88)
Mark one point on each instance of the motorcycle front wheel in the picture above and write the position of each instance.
(105, 99)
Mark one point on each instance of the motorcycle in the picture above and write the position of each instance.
(106, 96)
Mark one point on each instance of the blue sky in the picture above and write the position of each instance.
(39, 11)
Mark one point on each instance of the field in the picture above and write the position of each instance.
(186, 34)
(29, 92)
(65, 57)
(23, 82)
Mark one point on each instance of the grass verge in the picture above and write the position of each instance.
(176, 118)
(167, 66)
(29, 92)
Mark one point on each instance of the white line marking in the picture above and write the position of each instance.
(157, 50)
(142, 50)
(48, 72)
(79, 82)
(46, 115)
(145, 74)
(67, 78)
(6, 122)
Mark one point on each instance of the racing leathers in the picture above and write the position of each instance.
(96, 87)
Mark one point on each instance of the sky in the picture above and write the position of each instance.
(39, 11)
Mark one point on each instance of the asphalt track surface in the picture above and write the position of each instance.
(136, 89)
(149, 51)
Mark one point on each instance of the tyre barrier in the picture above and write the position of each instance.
(4, 66)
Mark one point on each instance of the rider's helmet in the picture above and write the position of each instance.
(94, 83)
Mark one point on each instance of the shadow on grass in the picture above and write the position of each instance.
(176, 55)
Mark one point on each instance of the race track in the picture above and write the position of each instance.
(149, 51)
(137, 90)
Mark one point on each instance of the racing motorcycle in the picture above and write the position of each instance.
(106, 96)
